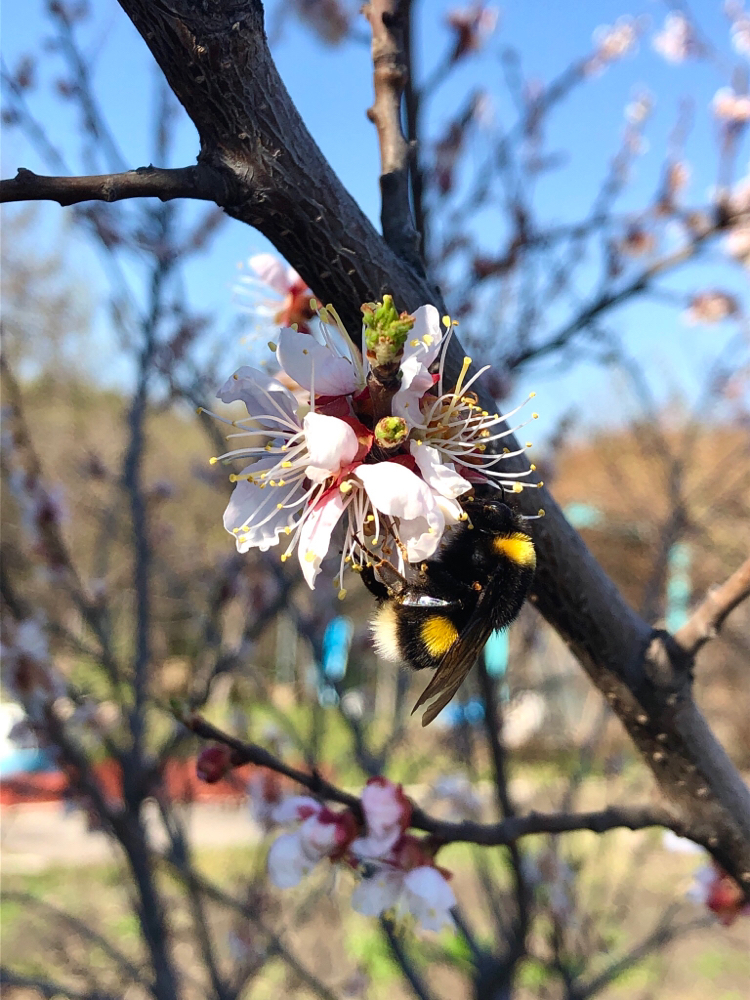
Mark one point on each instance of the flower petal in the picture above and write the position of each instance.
(420, 350)
(421, 536)
(271, 271)
(252, 515)
(331, 443)
(261, 394)
(372, 896)
(287, 862)
(296, 808)
(315, 534)
(308, 362)
(396, 490)
(440, 475)
(429, 897)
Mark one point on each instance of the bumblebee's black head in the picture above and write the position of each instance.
(489, 514)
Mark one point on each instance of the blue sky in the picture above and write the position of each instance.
(332, 88)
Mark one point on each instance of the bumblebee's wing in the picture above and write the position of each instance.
(459, 659)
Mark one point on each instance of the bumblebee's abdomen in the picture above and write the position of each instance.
(415, 635)
(518, 548)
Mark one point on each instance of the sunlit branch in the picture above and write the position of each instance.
(709, 616)
(145, 182)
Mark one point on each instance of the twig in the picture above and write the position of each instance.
(443, 832)
(419, 988)
(388, 19)
(47, 988)
(144, 182)
(709, 616)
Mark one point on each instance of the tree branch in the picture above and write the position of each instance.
(443, 832)
(145, 182)
(709, 616)
(389, 21)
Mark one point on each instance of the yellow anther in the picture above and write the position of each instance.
(281, 482)
(286, 465)
(369, 519)
(532, 395)
(212, 461)
(467, 361)
(287, 530)
(539, 485)
(236, 531)
(534, 416)
(529, 444)
(506, 451)
(268, 447)
(413, 343)
(305, 350)
(541, 512)
(309, 556)
(284, 556)
(342, 595)
(517, 488)
(279, 506)
(199, 410)
(446, 321)
(314, 304)
(233, 477)
(346, 486)
(427, 339)
(295, 327)
(532, 467)
(272, 346)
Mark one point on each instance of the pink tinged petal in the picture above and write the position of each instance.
(254, 512)
(271, 271)
(372, 896)
(387, 812)
(331, 443)
(429, 897)
(296, 808)
(319, 837)
(315, 534)
(252, 386)
(307, 362)
(441, 476)
(287, 861)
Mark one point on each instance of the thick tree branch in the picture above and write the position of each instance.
(443, 832)
(145, 182)
(389, 21)
(709, 616)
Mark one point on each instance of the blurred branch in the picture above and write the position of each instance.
(388, 20)
(442, 831)
(48, 989)
(144, 182)
(407, 966)
(709, 616)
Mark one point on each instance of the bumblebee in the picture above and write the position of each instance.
(477, 584)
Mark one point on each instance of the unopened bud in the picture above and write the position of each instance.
(385, 331)
(391, 432)
(213, 763)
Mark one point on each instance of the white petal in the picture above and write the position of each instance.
(315, 534)
(376, 846)
(287, 862)
(331, 443)
(428, 331)
(441, 476)
(380, 892)
(318, 839)
(429, 897)
(420, 350)
(307, 361)
(253, 387)
(290, 809)
(396, 490)
(254, 511)
(271, 271)
(421, 536)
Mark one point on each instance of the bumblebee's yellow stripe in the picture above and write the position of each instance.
(438, 634)
(517, 547)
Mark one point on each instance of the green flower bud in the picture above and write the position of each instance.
(385, 331)
(391, 432)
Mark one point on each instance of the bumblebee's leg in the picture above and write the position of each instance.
(434, 572)
(376, 587)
